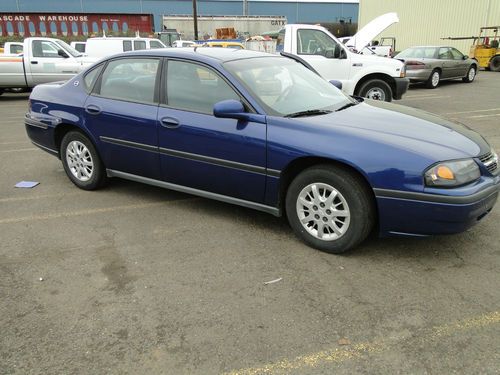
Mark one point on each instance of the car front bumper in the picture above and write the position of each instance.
(421, 214)
(401, 87)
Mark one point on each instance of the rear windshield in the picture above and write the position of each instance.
(419, 52)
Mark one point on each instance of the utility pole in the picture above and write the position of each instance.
(245, 7)
(195, 20)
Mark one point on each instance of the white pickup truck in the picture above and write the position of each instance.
(370, 76)
(43, 60)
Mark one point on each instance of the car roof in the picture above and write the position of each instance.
(431, 47)
(200, 53)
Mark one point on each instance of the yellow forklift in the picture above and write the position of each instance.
(485, 47)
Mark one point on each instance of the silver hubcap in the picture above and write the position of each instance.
(376, 93)
(323, 211)
(435, 79)
(472, 74)
(79, 161)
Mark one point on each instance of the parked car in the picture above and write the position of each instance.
(107, 46)
(264, 132)
(43, 60)
(183, 43)
(432, 64)
(223, 44)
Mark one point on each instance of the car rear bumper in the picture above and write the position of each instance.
(401, 87)
(418, 75)
(420, 214)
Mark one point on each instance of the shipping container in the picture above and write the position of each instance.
(245, 26)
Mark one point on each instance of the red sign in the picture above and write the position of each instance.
(68, 24)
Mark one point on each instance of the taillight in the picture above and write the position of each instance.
(412, 65)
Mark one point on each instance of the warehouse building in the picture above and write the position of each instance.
(306, 11)
(425, 22)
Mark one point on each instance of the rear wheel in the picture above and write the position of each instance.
(495, 64)
(376, 89)
(471, 74)
(330, 208)
(81, 161)
(433, 80)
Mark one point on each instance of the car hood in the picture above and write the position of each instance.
(367, 33)
(407, 128)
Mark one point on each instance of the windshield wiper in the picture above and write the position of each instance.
(345, 106)
(311, 112)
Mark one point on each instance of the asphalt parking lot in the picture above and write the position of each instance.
(134, 279)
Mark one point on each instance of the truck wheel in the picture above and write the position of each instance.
(376, 89)
(1, 91)
(330, 208)
(81, 161)
(433, 80)
(471, 74)
(495, 64)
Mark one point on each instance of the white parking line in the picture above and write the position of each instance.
(19, 150)
(480, 116)
(475, 111)
(425, 97)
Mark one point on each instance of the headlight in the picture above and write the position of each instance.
(452, 173)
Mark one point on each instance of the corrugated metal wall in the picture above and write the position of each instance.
(425, 22)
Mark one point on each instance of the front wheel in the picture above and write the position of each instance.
(81, 161)
(471, 74)
(376, 89)
(494, 64)
(330, 208)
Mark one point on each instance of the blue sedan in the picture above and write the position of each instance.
(264, 132)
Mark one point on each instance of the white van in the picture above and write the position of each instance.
(106, 46)
(79, 46)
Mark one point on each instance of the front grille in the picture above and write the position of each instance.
(490, 161)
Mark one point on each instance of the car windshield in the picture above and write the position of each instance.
(420, 52)
(284, 87)
(73, 52)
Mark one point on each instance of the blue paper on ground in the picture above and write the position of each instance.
(26, 184)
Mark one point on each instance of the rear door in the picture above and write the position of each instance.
(121, 113)
(198, 150)
(46, 65)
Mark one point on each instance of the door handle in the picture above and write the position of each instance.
(92, 109)
(170, 122)
(34, 62)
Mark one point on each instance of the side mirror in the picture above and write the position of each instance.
(234, 109)
(62, 53)
(343, 54)
(336, 83)
(465, 57)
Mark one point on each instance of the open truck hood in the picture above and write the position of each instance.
(367, 33)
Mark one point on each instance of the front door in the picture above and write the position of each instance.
(46, 65)
(121, 112)
(323, 53)
(198, 150)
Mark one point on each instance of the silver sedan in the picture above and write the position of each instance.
(432, 64)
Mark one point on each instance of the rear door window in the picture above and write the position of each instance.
(91, 77)
(127, 45)
(139, 44)
(130, 79)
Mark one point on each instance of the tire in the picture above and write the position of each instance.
(433, 80)
(86, 170)
(1, 91)
(494, 64)
(376, 89)
(471, 74)
(342, 231)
